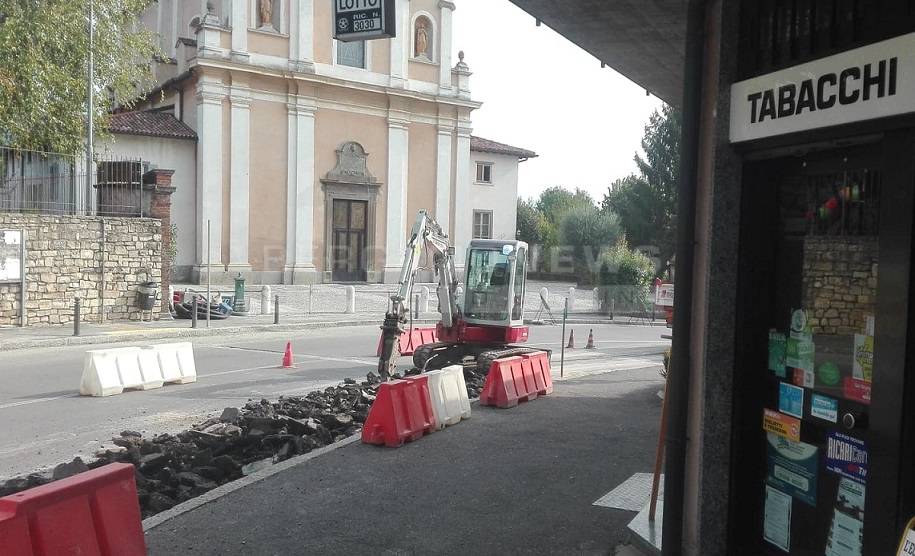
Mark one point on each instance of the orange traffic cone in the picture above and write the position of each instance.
(571, 340)
(287, 357)
(590, 340)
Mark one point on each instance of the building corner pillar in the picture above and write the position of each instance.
(463, 211)
(240, 179)
(398, 173)
(210, 95)
(300, 192)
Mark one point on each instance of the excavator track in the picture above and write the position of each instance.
(439, 355)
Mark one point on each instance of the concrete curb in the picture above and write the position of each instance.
(228, 488)
(166, 333)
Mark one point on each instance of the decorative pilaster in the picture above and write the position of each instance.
(208, 31)
(300, 191)
(398, 159)
(445, 46)
(463, 211)
(443, 175)
(301, 36)
(240, 30)
(400, 45)
(239, 183)
(209, 171)
(159, 183)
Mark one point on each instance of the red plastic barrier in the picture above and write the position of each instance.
(517, 379)
(410, 340)
(540, 365)
(93, 513)
(401, 412)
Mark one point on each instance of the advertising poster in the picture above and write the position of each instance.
(782, 425)
(10, 254)
(793, 468)
(846, 456)
(777, 519)
(825, 408)
(846, 535)
(863, 367)
(791, 399)
(857, 390)
(777, 346)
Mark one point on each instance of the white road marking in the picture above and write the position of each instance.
(37, 400)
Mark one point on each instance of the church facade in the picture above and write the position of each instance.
(312, 156)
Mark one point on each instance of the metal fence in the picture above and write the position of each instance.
(36, 182)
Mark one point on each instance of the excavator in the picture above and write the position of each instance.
(483, 323)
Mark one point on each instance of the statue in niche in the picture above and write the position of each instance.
(265, 12)
(422, 39)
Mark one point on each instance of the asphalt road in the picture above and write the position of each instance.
(45, 421)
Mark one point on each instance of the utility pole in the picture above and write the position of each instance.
(90, 112)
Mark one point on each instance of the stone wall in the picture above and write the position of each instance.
(65, 258)
(840, 282)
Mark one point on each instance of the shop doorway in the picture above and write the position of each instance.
(822, 300)
(350, 222)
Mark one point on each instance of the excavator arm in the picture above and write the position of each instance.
(426, 235)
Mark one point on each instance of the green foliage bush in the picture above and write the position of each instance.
(625, 277)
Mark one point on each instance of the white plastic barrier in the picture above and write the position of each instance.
(448, 392)
(149, 369)
(176, 362)
(100, 374)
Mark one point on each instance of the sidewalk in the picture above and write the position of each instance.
(505, 481)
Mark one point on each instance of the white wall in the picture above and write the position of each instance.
(179, 155)
(501, 197)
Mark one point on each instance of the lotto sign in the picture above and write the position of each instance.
(782, 425)
(357, 20)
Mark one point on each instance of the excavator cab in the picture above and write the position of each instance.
(495, 276)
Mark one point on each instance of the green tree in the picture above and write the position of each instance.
(647, 203)
(554, 202)
(588, 232)
(625, 277)
(531, 223)
(45, 45)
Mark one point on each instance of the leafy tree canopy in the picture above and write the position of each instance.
(647, 203)
(45, 45)
(554, 202)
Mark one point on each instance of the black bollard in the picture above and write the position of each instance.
(276, 309)
(194, 313)
(76, 317)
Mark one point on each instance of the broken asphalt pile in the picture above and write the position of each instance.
(171, 469)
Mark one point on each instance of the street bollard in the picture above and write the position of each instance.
(424, 299)
(416, 306)
(612, 308)
(265, 301)
(350, 300)
(276, 309)
(76, 317)
(571, 299)
(194, 311)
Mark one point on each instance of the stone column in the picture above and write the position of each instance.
(209, 171)
(443, 175)
(239, 181)
(400, 44)
(159, 184)
(300, 191)
(463, 211)
(398, 158)
(301, 36)
(445, 45)
(240, 30)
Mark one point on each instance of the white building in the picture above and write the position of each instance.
(309, 158)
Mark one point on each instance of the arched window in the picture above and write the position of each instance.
(424, 38)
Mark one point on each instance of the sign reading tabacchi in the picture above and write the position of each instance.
(357, 20)
(861, 84)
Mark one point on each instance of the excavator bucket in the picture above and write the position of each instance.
(389, 345)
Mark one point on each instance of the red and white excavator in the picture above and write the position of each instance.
(483, 324)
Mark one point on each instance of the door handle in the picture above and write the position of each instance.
(854, 420)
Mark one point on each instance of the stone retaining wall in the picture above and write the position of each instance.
(840, 283)
(65, 256)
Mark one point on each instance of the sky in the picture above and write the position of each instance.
(543, 93)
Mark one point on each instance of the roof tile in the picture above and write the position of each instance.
(152, 124)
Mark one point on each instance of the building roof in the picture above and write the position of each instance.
(644, 41)
(487, 146)
(151, 124)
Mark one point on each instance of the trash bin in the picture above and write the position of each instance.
(146, 295)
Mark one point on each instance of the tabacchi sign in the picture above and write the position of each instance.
(364, 19)
(870, 82)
